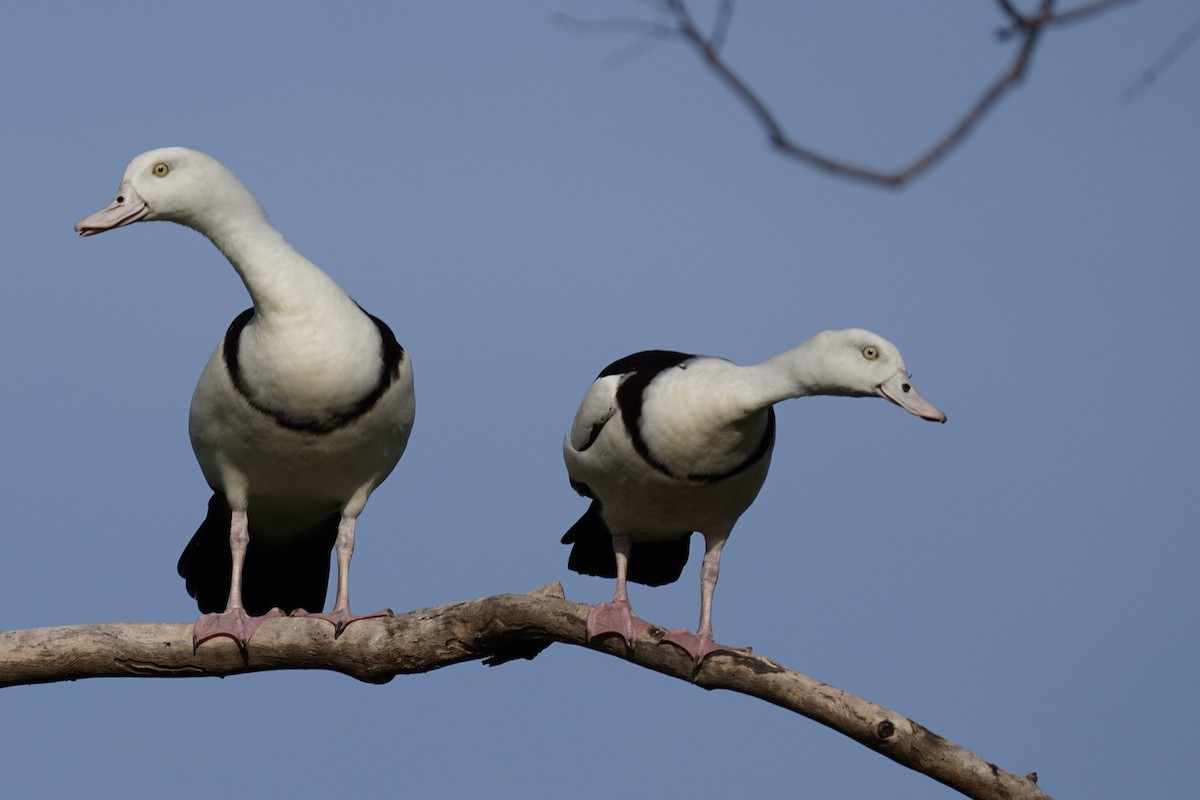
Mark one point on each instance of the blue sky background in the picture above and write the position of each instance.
(523, 208)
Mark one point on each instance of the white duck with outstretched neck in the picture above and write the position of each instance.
(667, 444)
(305, 407)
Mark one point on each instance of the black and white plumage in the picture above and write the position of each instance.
(667, 444)
(304, 408)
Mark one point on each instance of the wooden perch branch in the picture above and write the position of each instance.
(496, 629)
(1025, 27)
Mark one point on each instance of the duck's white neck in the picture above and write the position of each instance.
(803, 371)
(281, 282)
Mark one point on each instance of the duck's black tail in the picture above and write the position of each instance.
(652, 563)
(287, 572)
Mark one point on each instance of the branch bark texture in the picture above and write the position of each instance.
(496, 630)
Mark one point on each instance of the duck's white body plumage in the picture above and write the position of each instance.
(304, 408)
(670, 489)
(667, 444)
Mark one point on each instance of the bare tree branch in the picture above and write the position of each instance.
(1161, 64)
(1047, 18)
(497, 629)
(1026, 27)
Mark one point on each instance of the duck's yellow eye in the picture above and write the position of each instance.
(870, 352)
(161, 169)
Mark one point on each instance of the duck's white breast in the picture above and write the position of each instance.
(245, 452)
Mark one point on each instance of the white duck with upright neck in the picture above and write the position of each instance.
(304, 408)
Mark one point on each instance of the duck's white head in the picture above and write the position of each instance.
(857, 363)
(177, 185)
